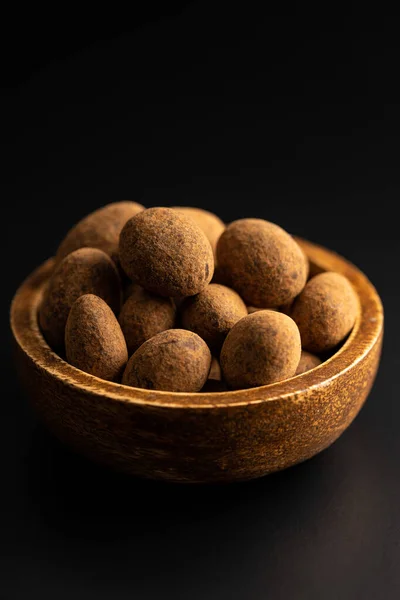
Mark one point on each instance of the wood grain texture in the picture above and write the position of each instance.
(201, 437)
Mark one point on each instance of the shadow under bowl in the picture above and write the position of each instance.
(203, 437)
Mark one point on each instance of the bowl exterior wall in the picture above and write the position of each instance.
(191, 444)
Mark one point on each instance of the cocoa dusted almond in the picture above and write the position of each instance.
(144, 315)
(262, 348)
(175, 360)
(263, 263)
(100, 229)
(94, 341)
(325, 311)
(166, 253)
(212, 313)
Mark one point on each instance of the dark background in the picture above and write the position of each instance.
(291, 116)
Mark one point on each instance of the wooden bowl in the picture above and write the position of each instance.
(201, 437)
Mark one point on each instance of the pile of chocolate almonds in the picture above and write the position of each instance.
(172, 299)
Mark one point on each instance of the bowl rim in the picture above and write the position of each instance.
(365, 334)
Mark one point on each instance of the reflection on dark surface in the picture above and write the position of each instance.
(100, 525)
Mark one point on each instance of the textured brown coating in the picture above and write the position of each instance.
(100, 229)
(175, 360)
(264, 263)
(94, 341)
(84, 271)
(212, 225)
(325, 311)
(307, 362)
(262, 348)
(166, 253)
(212, 313)
(144, 315)
(200, 437)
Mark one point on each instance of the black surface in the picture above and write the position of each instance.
(247, 116)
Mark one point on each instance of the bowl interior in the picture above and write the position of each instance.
(364, 335)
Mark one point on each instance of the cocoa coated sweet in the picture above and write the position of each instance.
(175, 360)
(264, 264)
(166, 253)
(262, 348)
(144, 315)
(212, 313)
(325, 312)
(94, 341)
(100, 229)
